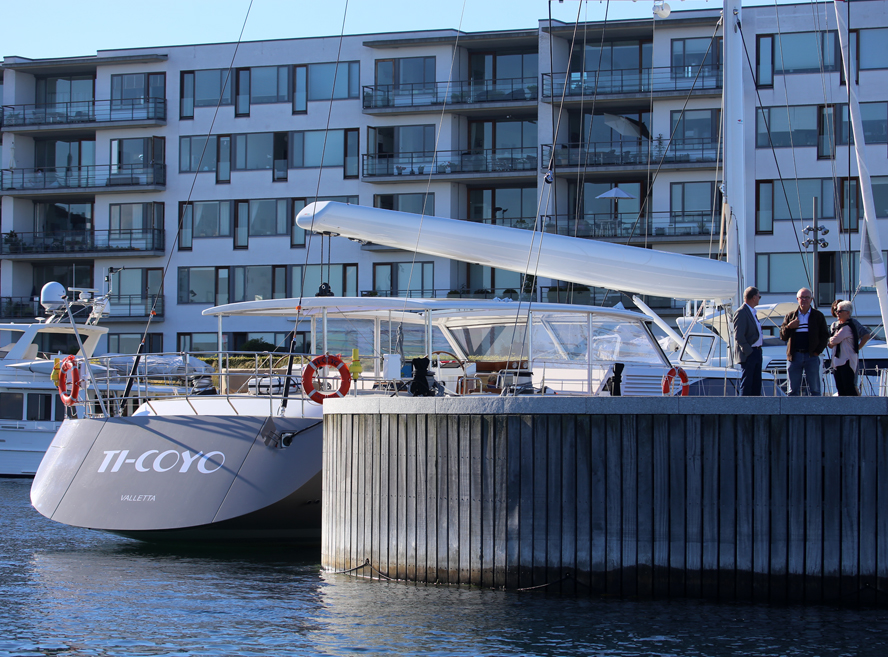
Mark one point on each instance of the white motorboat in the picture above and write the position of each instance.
(30, 408)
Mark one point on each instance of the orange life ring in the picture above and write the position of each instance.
(69, 363)
(670, 376)
(308, 383)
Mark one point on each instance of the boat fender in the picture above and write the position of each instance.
(308, 382)
(54, 376)
(670, 376)
(69, 364)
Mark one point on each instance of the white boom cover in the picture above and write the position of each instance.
(592, 263)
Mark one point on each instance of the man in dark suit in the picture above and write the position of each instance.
(748, 344)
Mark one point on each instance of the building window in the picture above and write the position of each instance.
(404, 279)
(269, 84)
(59, 218)
(306, 279)
(695, 126)
(202, 219)
(64, 156)
(300, 89)
(415, 203)
(310, 146)
(689, 55)
(297, 234)
(259, 218)
(259, 282)
(280, 156)
(130, 220)
(851, 204)
(223, 159)
(873, 46)
(203, 285)
(135, 88)
(334, 81)
(208, 88)
(197, 154)
(128, 343)
(806, 52)
(67, 89)
(789, 127)
(826, 132)
(411, 73)
(242, 92)
(200, 342)
(254, 151)
(782, 273)
(136, 290)
(764, 61)
(692, 202)
(270, 341)
(789, 200)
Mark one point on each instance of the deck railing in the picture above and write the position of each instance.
(627, 81)
(423, 94)
(80, 241)
(476, 160)
(85, 111)
(85, 176)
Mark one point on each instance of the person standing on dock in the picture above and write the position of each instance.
(805, 332)
(845, 342)
(748, 342)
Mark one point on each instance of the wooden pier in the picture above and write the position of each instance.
(771, 499)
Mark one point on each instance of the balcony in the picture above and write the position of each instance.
(610, 155)
(43, 245)
(453, 164)
(94, 113)
(662, 82)
(62, 180)
(125, 307)
(628, 226)
(20, 308)
(422, 96)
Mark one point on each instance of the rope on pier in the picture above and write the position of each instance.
(366, 564)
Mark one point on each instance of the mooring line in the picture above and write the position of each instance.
(567, 575)
(366, 564)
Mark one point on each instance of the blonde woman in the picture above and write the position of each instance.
(845, 344)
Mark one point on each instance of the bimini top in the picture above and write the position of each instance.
(397, 306)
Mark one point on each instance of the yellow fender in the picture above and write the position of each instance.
(55, 373)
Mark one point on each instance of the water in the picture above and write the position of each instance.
(66, 591)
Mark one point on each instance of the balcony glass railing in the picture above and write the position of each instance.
(632, 153)
(136, 305)
(423, 94)
(615, 224)
(85, 111)
(79, 177)
(645, 80)
(448, 162)
(78, 241)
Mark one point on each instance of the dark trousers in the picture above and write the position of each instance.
(751, 374)
(845, 381)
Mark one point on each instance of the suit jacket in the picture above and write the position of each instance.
(745, 333)
(818, 333)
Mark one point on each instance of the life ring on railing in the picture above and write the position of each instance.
(670, 376)
(308, 383)
(69, 363)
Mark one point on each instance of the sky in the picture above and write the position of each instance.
(61, 28)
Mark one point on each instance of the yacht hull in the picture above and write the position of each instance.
(186, 478)
(21, 450)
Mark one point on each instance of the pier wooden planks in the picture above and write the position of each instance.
(765, 499)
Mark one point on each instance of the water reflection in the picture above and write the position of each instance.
(74, 592)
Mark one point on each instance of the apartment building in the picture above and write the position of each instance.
(174, 174)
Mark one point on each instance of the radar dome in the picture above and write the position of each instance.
(52, 296)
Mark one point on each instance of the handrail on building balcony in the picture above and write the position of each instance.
(136, 305)
(476, 160)
(635, 80)
(638, 152)
(85, 176)
(84, 111)
(421, 94)
(78, 241)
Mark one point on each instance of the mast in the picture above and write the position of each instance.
(872, 265)
(735, 151)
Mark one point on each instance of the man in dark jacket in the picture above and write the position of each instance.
(748, 341)
(805, 333)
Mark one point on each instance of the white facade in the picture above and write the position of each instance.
(484, 150)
